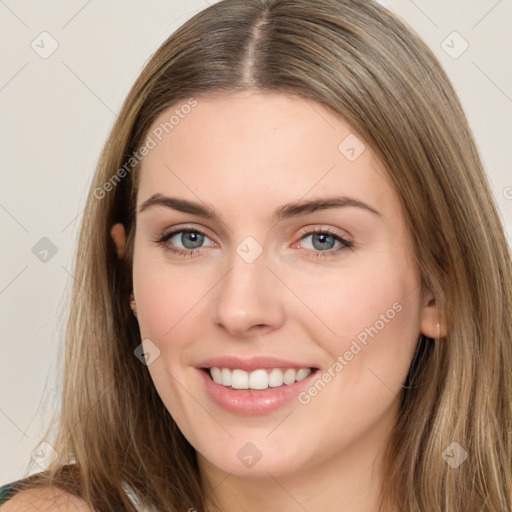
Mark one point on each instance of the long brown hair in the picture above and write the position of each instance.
(359, 60)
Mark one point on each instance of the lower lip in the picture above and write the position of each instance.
(253, 402)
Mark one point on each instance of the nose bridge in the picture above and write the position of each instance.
(249, 294)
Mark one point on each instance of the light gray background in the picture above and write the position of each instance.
(56, 114)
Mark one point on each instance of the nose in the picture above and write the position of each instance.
(248, 299)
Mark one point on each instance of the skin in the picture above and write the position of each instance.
(244, 155)
(45, 500)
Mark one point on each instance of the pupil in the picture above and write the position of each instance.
(191, 236)
(322, 238)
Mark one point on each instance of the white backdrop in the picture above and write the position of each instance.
(66, 68)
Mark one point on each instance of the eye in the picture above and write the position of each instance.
(185, 242)
(188, 242)
(324, 242)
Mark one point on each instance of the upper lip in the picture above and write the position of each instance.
(251, 363)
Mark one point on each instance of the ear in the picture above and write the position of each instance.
(430, 322)
(119, 236)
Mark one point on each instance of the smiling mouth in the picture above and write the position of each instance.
(259, 379)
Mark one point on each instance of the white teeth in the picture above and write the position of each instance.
(289, 376)
(275, 378)
(302, 374)
(239, 379)
(216, 374)
(257, 379)
(226, 377)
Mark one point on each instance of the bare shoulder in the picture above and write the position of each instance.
(44, 500)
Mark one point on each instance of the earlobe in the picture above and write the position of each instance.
(431, 325)
(119, 236)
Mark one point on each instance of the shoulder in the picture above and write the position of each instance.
(44, 499)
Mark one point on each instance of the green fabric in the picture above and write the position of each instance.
(8, 491)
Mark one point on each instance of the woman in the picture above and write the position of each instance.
(293, 290)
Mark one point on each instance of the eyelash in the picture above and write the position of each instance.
(165, 237)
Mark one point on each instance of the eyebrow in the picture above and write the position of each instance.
(286, 211)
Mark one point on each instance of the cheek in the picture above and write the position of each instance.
(375, 320)
(369, 319)
(169, 306)
(166, 297)
(347, 302)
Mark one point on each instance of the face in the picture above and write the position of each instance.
(282, 254)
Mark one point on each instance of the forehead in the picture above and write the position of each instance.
(248, 149)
